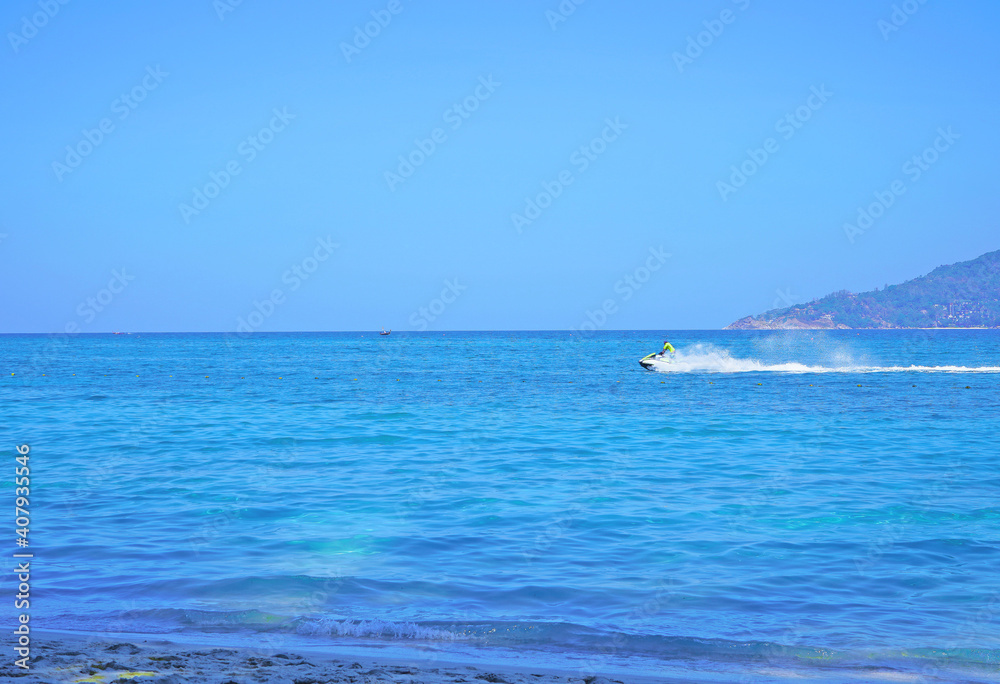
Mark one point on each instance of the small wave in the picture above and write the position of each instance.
(707, 359)
(584, 646)
(374, 629)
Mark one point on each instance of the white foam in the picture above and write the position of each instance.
(708, 359)
(374, 628)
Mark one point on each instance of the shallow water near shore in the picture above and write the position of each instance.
(774, 502)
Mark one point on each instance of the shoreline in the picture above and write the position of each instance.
(108, 658)
(72, 657)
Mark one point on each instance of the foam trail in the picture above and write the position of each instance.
(707, 359)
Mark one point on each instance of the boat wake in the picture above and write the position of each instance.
(709, 359)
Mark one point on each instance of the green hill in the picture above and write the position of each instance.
(962, 295)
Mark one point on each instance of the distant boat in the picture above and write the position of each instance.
(385, 332)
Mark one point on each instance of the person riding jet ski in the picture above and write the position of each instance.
(649, 362)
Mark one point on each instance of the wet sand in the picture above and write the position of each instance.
(108, 661)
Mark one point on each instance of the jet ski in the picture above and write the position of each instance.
(649, 362)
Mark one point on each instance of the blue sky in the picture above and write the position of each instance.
(608, 123)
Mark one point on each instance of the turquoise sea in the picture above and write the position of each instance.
(774, 506)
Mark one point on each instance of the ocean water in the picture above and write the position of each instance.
(773, 506)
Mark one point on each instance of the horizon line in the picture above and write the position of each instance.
(492, 330)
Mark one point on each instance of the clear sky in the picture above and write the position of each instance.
(385, 179)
